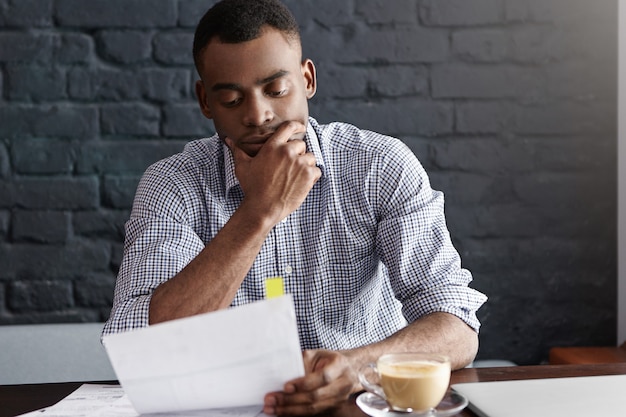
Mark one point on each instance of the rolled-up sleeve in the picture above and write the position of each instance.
(424, 267)
(159, 243)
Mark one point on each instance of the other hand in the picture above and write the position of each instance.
(328, 381)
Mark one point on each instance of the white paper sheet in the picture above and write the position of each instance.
(87, 399)
(228, 358)
(102, 400)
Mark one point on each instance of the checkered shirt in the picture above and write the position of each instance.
(366, 252)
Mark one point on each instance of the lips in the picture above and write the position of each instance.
(256, 140)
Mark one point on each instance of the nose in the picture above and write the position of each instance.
(258, 111)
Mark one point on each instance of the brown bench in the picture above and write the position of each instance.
(587, 355)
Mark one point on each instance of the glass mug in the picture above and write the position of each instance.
(409, 382)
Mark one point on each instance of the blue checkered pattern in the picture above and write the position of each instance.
(367, 251)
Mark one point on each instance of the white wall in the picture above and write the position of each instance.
(621, 179)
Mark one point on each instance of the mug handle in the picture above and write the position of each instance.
(373, 388)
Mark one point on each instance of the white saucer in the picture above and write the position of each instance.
(375, 406)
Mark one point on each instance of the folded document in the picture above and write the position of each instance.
(227, 358)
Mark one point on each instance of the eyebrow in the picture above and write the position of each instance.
(263, 81)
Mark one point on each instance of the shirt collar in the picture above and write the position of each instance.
(312, 145)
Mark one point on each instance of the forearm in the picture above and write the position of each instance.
(211, 280)
(437, 332)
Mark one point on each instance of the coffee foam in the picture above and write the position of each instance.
(413, 368)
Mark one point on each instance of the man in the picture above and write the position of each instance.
(346, 217)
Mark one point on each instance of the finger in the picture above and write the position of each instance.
(309, 159)
(306, 403)
(319, 373)
(301, 409)
(285, 131)
(238, 154)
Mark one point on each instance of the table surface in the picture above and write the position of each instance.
(18, 399)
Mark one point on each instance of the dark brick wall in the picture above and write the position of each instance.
(509, 104)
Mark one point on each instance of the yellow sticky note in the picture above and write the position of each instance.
(274, 287)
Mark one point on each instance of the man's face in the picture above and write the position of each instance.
(250, 88)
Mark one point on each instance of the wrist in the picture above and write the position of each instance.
(257, 218)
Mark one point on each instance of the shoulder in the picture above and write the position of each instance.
(196, 155)
(344, 141)
(200, 159)
(182, 176)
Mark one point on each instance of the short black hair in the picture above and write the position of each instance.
(236, 21)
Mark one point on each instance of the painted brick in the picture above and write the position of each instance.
(475, 117)
(422, 148)
(39, 295)
(58, 120)
(558, 189)
(190, 11)
(26, 13)
(117, 252)
(74, 259)
(5, 164)
(136, 119)
(117, 13)
(35, 83)
(403, 45)
(123, 157)
(69, 315)
(481, 45)
(580, 80)
(380, 81)
(115, 84)
(461, 12)
(387, 11)
(313, 15)
(57, 193)
(564, 118)
(125, 46)
(7, 194)
(186, 120)
(173, 48)
(5, 218)
(545, 44)
(103, 84)
(74, 48)
(468, 81)
(574, 154)
(545, 11)
(101, 223)
(25, 47)
(95, 291)
(558, 254)
(395, 117)
(2, 300)
(488, 155)
(40, 226)
(43, 156)
(119, 191)
(166, 85)
(468, 188)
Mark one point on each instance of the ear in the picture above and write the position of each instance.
(202, 99)
(310, 78)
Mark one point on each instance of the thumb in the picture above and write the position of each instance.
(239, 156)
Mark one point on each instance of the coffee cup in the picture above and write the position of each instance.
(409, 382)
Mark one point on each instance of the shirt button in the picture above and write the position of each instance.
(288, 269)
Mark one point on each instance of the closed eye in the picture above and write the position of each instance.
(279, 93)
(231, 103)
